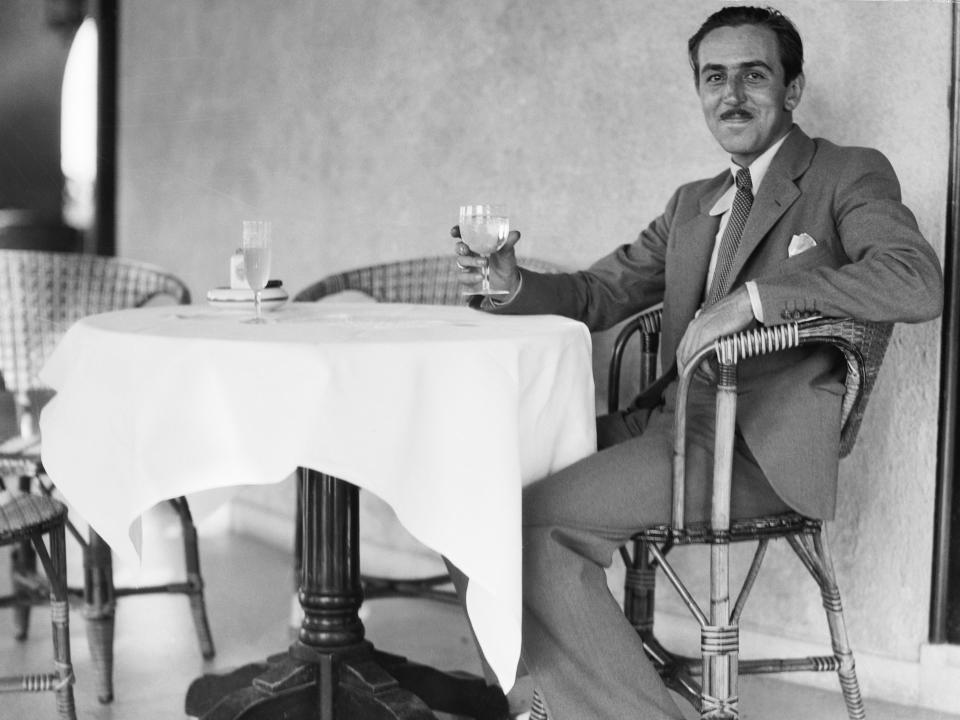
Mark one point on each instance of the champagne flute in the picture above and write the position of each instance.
(484, 229)
(256, 260)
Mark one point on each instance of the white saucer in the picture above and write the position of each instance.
(224, 298)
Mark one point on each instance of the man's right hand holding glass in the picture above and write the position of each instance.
(504, 272)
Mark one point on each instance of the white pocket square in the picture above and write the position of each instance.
(800, 243)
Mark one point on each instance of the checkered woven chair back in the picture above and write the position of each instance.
(863, 345)
(43, 293)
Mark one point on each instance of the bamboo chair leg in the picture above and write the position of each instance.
(191, 551)
(99, 612)
(23, 564)
(60, 618)
(838, 631)
(639, 589)
(720, 638)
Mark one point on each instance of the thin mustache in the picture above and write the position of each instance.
(737, 113)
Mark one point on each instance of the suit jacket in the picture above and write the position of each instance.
(870, 262)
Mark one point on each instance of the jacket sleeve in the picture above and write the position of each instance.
(892, 275)
(628, 280)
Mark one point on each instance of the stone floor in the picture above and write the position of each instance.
(249, 593)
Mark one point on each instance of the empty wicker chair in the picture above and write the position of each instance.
(710, 682)
(421, 281)
(41, 295)
(27, 518)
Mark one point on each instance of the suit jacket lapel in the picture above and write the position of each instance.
(688, 274)
(777, 193)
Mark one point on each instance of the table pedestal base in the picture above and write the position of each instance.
(364, 684)
(331, 672)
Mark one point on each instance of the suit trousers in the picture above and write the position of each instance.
(583, 654)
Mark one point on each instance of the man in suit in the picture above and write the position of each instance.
(796, 226)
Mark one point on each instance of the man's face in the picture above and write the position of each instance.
(746, 105)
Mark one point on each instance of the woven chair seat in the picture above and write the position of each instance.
(29, 514)
(742, 530)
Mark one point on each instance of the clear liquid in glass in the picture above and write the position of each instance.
(484, 229)
(486, 234)
(256, 263)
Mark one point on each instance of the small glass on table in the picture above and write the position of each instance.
(484, 229)
(256, 246)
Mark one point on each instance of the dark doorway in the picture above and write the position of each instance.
(37, 208)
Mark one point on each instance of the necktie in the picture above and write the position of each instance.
(742, 202)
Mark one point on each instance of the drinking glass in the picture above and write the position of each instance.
(256, 260)
(484, 229)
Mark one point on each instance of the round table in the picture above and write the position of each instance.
(443, 412)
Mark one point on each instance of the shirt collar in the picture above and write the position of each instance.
(758, 169)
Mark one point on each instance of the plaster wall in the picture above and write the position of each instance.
(359, 127)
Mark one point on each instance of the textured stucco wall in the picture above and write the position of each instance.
(359, 127)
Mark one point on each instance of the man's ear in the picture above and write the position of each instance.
(794, 93)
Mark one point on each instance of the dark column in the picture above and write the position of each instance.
(945, 595)
(102, 240)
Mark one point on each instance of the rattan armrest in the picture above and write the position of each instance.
(862, 344)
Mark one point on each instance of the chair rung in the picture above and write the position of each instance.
(820, 663)
(28, 598)
(182, 588)
(823, 663)
(41, 682)
(741, 530)
(669, 662)
(428, 588)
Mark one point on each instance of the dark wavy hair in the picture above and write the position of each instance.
(791, 46)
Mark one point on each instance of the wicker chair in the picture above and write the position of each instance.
(41, 295)
(27, 518)
(709, 682)
(421, 281)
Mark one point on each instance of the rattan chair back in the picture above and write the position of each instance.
(863, 345)
(43, 293)
(421, 281)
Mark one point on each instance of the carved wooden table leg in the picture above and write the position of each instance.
(331, 671)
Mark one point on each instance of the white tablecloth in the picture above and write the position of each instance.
(443, 412)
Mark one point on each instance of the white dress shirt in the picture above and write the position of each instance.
(724, 204)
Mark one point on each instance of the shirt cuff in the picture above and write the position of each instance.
(755, 300)
(494, 301)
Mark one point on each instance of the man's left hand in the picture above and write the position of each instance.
(731, 314)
